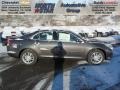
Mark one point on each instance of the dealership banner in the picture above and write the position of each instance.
(64, 7)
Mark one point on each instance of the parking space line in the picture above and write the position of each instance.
(66, 80)
(40, 84)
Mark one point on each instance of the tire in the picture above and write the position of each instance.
(28, 57)
(96, 57)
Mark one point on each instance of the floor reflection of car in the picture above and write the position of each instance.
(31, 47)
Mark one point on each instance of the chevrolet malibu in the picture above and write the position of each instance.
(57, 44)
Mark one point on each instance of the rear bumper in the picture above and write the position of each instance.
(13, 52)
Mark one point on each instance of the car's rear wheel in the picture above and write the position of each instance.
(96, 57)
(28, 57)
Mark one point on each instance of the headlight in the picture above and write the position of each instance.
(109, 46)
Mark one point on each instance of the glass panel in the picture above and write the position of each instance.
(46, 36)
(64, 37)
(49, 36)
(73, 38)
(36, 36)
(43, 36)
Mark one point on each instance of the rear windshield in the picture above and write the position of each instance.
(26, 36)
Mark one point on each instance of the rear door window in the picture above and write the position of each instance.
(44, 36)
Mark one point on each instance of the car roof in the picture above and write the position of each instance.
(57, 30)
(30, 34)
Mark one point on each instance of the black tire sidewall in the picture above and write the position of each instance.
(91, 52)
(34, 54)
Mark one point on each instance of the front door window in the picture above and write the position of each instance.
(67, 37)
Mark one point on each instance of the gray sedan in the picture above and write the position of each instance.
(57, 44)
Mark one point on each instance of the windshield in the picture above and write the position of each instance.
(80, 37)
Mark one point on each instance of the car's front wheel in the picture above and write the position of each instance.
(96, 57)
(28, 57)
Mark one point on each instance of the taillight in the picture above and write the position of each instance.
(9, 42)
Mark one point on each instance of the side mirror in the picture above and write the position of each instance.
(78, 41)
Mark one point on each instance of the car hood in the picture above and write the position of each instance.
(93, 40)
